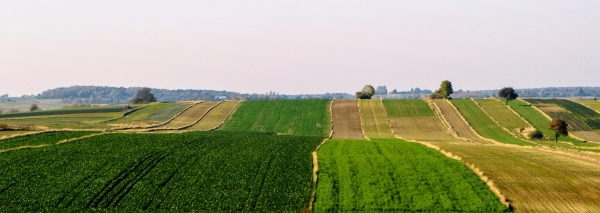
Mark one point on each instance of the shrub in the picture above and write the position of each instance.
(536, 134)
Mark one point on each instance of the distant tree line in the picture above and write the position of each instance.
(107, 95)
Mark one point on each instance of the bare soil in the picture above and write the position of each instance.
(346, 119)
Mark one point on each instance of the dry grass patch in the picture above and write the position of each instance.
(190, 116)
(374, 119)
(422, 128)
(502, 114)
(215, 117)
(457, 122)
(346, 119)
(536, 180)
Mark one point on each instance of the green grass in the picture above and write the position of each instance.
(483, 124)
(69, 121)
(195, 171)
(41, 139)
(291, 117)
(407, 108)
(590, 103)
(590, 117)
(501, 113)
(392, 175)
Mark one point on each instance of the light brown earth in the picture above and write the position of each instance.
(189, 116)
(374, 119)
(215, 117)
(346, 119)
(421, 128)
(457, 122)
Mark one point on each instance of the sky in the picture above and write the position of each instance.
(298, 47)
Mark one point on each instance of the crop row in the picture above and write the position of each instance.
(290, 117)
(397, 176)
(196, 171)
(580, 112)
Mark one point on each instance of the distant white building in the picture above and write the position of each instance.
(220, 97)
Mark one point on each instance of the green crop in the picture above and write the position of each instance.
(407, 108)
(397, 176)
(483, 124)
(195, 171)
(290, 117)
(65, 111)
(588, 116)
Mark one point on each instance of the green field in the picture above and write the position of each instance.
(535, 118)
(66, 111)
(143, 114)
(167, 113)
(595, 105)
(391, 175)
(66, 121)
(196, 171)
(483, 124)
(289, 117)
(590, 117)
(501, 113)
(407, 108)
(48, 138)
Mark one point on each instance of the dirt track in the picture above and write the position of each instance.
(190, 116)
(216, 116)
(457, 122)
(346, 119)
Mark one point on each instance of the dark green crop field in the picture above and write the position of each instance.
(196, 171)
(582, 113)
(288, 117)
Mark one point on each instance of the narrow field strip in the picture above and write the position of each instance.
(140, 117)
(484, 125)
(578, 118)
(39, 139)
(399, 176)
(536, 179)
(594, 105)
(189, 116)
(458, 123)
(502, 114)
(215, 117)
(415, 120)
(282, 117)
(374, 120)
(188, 172)
(346, 119)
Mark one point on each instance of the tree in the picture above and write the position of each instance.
(507, 93)
(34, 107)
(366, 92)
(143, 96)
(444, 91)
(559, 126)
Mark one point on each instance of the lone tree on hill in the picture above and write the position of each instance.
(366, 92)
(559, 126)
(444, 91)
(508, 93)
(143, 96)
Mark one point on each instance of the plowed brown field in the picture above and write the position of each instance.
(346, 119)
(215, 117)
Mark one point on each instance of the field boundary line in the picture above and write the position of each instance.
(228, 116)
(584, 105)
(315, 158)
(438, 112)
(79, 138)
(161, 124)
(362, 128)
(471, 127)
(124, 114)
(49, 144)
(388, 118)
(189, 125)
(25, 147)
(488, 181)
(550, 118)
(497, 123)
(515, 112)
(26, 134)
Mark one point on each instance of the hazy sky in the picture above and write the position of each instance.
(297, 47)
